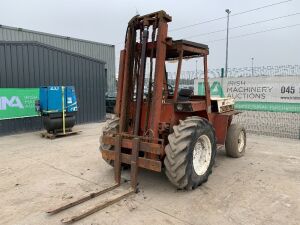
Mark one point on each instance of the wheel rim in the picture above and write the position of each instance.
(202, 155)
(241, 141)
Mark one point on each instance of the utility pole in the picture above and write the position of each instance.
(196, 67)
(226, 63)
(252, 59)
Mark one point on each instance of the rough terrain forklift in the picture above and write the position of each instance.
(161, 126)
(166, 127)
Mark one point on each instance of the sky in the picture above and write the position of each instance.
(106, 21)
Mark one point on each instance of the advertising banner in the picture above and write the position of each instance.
(273, 94)
(18, 102)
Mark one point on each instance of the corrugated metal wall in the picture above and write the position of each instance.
(100, 51)
(31, 64)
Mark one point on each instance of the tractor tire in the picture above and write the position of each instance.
(190, 153)
(111, 125)
(235, 143)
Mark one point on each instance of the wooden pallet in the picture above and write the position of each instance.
(61, 134)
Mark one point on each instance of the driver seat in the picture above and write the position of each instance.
(184, 94)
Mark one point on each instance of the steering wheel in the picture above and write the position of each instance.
(169, 88)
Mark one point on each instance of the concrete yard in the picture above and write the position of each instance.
(36, 174)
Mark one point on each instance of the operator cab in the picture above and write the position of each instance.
(183, 49)
(177, 50)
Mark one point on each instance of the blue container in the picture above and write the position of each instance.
(51, 103)
(52, 97)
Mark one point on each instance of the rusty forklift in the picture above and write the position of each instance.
(170, 128)
(162, 127)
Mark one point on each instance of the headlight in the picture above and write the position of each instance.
(179, 107)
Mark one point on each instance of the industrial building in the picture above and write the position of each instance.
(31, 59)
(96, 50)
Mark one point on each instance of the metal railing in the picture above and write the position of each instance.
(188, 77)
(283, 70)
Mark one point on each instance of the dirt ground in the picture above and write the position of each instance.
(36, 174)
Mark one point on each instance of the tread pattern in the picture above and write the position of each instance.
(178, 152)
(231, 143)
(110, 125)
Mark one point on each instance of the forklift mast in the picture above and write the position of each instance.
(132, 67)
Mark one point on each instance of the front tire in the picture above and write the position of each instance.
(111, 125)
(190, 153)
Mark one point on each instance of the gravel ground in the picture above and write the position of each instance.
(263, 187)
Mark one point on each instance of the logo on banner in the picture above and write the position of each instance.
(13, 102)
(215, 89)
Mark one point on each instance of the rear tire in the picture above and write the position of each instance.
(190, 153)
(235, 144)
